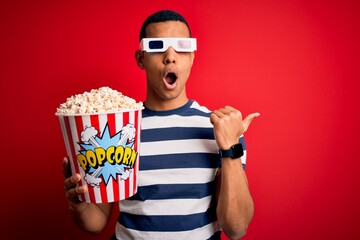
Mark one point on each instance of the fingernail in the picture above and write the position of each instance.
(76, 178)
(81, 190)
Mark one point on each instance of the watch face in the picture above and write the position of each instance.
(237, 150)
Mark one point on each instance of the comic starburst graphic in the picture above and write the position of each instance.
(105, 141)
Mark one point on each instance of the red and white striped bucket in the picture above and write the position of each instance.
(104, 149)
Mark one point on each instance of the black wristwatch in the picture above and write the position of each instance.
(235, 151)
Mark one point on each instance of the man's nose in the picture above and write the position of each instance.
(170, 55)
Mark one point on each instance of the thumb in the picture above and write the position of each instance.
(66, 167)
(247, 121)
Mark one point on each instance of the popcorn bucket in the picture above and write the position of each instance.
(104, 149)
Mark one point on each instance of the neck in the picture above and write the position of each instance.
(165, 104)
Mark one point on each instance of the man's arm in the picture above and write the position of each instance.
(89, 217)
(235, 206)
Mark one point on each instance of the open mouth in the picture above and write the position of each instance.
(170, 78)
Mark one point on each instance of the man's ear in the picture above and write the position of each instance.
(139, 57)
(192, 57)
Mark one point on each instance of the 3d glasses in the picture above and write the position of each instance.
(154, 45)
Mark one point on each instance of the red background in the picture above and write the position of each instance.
(296, 62)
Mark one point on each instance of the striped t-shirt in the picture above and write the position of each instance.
(178, 163)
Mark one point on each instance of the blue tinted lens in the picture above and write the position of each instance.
(156, 44)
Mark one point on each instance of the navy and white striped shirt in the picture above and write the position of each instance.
(178, 164)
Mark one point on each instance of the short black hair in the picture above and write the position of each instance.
(162, 16)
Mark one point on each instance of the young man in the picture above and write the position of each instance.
(184, 192)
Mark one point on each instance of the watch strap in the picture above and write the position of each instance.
(226, 153)
(235, 151)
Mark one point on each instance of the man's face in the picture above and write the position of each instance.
(166, 72)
